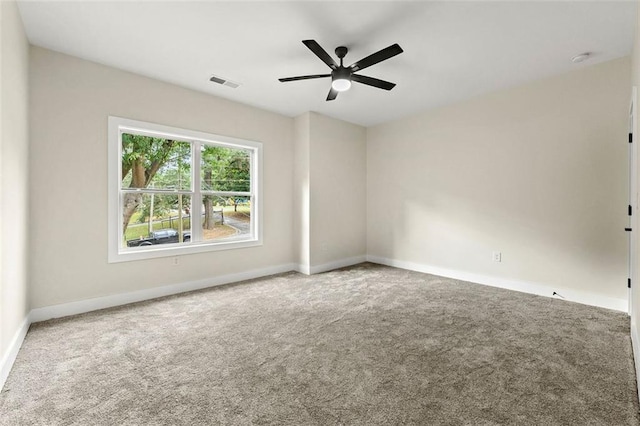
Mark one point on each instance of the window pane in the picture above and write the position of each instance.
(225, 169)
(226, 218)
(155, 163)
(152, 219)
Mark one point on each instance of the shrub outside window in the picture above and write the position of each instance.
(175, 191)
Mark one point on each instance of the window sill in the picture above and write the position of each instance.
(133, 254)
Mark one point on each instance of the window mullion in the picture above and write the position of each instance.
(156, 191)
(252, 189)
(227, 193)
(196, 200)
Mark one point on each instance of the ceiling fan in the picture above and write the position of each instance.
(341, 76)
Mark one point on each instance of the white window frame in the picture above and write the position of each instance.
(117, 126)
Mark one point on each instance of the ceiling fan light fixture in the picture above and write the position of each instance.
(341, 84)
(341, 78)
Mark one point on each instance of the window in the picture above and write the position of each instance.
(174, 191)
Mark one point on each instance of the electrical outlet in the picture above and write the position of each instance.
(176, 261)
(497, 256)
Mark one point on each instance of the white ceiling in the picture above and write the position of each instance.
(452, 50)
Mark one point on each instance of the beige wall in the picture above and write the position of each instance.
(70, 102)
(534, 172)
(301, 194)
(14, 64)
(635, 54)
(329, 192)
(635, 302)
(338, 190)
(537, 172)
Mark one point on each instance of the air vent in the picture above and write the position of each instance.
(224, 82)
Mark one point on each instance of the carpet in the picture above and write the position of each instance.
(365, 345)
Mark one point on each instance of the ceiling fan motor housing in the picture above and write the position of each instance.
(341, 73)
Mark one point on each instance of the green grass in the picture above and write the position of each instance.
(135, 217)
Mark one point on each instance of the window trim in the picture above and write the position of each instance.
(116, 125)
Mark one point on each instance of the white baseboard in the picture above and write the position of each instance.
(635, 344)
(585, 298)
(330, 266)
(88, 305)
(14, 347)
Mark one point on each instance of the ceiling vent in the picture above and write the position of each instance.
(224, 82)
(581, 57)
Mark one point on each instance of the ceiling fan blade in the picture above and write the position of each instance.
(304, 77)
(333, 93)
(320, 53)
(370, 81)
(379, 56)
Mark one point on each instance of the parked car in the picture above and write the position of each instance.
(164, 236)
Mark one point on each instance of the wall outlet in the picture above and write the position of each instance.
(497, 256)
(176, 261)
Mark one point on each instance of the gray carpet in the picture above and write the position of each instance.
(365, 345)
